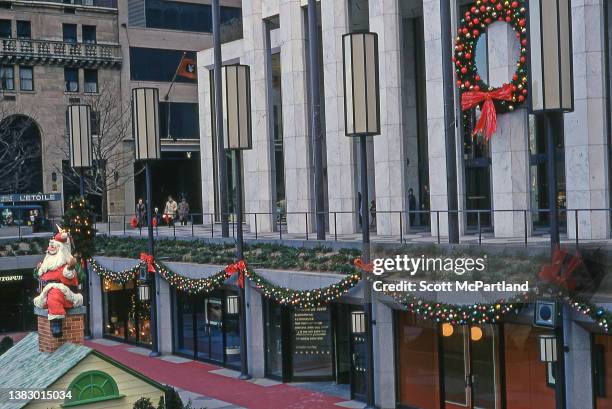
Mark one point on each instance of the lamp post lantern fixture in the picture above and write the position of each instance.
(551, 93)
(362, 119)
(81, 158)
(145, 127)
(237, 131)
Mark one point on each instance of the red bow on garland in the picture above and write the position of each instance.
(367, 267)
(487, 123)
(239, 267)
(147, 258)
(553, 274)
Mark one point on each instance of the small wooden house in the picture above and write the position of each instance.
(74, 374)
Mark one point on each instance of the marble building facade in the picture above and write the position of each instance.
(505, 175)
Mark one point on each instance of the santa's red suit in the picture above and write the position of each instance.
(57, 294)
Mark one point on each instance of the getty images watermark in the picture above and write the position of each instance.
(402, 265)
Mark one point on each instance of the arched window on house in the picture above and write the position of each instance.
(90, 387)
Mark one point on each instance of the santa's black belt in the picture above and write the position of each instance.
(72, 288)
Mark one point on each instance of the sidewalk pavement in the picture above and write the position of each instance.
(212, 387)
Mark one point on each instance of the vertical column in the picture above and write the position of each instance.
(341, 155)
(580, 387)
(438, 199)
(297, 145)
(586, 148)
(255, 333)
(207, 163)
(390, 164)
(509, 144)
(96, 305)
(384, 358)
(164, 317)
(258, 167)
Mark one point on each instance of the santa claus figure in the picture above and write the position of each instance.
(59, 280)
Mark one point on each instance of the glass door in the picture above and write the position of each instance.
(214, 322)
(469, 367)
(358, 373)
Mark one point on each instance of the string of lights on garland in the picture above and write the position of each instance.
(469, 314)
(303, 298)
(191, 285)
(286, 296)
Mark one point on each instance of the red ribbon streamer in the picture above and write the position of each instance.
(487, 123)
(552, 273)
(147, 258)
(238, 267)
(369, 267)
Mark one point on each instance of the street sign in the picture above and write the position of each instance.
(31, 197)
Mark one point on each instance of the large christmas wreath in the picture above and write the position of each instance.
(474, 91)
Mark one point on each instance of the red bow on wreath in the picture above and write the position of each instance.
(239, 267)
(553, 274)
(487, 123)
(367, 267)
(147, 258)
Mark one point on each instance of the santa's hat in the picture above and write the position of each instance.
(61, 235)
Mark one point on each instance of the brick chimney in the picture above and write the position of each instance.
(72, 329)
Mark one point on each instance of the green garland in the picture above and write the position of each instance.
(478, 314)
(303, 298)
(285, 296)
(191, 285)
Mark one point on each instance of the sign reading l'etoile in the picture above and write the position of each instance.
(31, 197)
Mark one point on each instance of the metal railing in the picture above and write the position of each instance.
(402, 226)
(35, 50)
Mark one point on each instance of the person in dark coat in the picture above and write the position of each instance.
(141, 213)
(183, 211)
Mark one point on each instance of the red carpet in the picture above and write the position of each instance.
(195, 377)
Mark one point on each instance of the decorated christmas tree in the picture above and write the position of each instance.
(78, 221)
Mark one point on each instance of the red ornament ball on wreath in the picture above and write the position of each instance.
(470, 52)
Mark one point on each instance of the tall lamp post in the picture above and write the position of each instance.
(362, 119)
(551, 90)
(81, 158)
(145, 127)
(236, 89)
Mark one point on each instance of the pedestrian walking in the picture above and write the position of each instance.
(183, 211)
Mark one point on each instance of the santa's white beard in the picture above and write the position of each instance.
(52, 262)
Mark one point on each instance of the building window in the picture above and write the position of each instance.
(89, 34)
(174, 15)
(71, 79)
(179, 120)
(92, 386)
(26, 78)
(7, 77)
(125, 316)
(91, 81)
(6, 29)
(151, 64)
(95, 122)
(24, 29)
(70, 33)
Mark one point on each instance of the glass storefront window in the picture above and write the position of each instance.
(17, 289)
(419, 377)
(456, 364)
(527, 379)
(208, 327)
(273, 325)
(602, 370)
(125, 316)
